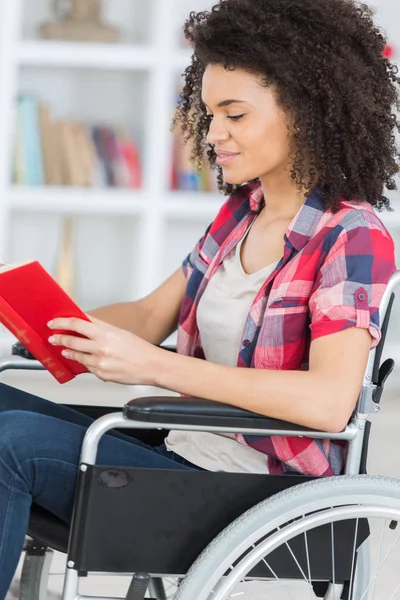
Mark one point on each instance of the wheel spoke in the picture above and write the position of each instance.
(379, 554)
(333, 555)
(380, 567)
(353, 560)
(308, 561)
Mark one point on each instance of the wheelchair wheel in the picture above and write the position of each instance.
(286, 523)
(163, 589)
(35, 572)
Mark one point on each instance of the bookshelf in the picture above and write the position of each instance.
(135, 78)
(86, 55)
(152, 61)
(95, 56)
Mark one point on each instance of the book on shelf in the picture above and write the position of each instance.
(29, 299)
(184, 173)
(66, 152)
(50, 132)
(29, 140)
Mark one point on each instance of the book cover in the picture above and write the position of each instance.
(29, 299)
(113, 153)
(46, 133)
(31, 139)
(71, 144)
(131, 156)
(19, 168)
(99, 175)
(88, 155)
(103, 154)
(124, 175)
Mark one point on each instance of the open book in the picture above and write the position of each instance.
(29, 299)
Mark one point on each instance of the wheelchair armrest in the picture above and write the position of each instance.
(20, 363)
(201, 412)
(25, 361)
(21, 359)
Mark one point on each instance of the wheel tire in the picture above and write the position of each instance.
(35, 575)
(266, 516)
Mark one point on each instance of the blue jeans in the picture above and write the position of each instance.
(40, 444)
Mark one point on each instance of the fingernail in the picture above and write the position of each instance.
(50, 324)
(52, 339)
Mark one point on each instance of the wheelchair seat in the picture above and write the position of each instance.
(48, 530)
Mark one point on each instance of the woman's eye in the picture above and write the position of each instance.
(235, 117)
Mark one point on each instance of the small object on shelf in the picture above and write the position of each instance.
(389, 52)
(81, 22)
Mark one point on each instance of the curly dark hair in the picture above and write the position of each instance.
(325, 60)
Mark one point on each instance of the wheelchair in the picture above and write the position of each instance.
(221, 535)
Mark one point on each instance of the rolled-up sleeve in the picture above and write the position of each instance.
(352, 280)
(192, 258)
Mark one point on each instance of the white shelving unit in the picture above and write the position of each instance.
(158, 59)
(148, 231)
(95, 56)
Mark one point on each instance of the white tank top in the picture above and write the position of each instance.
(221, 317)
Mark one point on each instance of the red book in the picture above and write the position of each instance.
(131, 156)
(29, 299)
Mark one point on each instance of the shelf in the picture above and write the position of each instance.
(174, 204)
(78, 200)
(58, 200)
(193, 204)
(85, 55)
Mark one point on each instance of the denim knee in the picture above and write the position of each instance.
(19, 436)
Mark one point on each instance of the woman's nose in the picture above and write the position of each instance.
(216, 132)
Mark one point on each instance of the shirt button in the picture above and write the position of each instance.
(361, 296)
(246, 342)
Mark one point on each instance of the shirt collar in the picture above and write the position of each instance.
(304, 222)
(256, 196)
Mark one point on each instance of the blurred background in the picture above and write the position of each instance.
(93, 183)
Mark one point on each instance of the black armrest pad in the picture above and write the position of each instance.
(197, 411)
(18, 349)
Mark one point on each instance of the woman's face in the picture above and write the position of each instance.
(248, 130)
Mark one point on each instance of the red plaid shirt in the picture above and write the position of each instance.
(332, 276)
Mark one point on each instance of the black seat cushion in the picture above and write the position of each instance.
(48, 529)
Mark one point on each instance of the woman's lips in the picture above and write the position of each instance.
(223, 159)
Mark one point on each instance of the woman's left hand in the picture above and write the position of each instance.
(110, 353)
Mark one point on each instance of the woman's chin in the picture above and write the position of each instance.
(236, 176)
(233, 179)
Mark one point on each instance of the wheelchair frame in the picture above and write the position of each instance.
(200, 415)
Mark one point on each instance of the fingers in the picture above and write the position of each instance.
(94, 364)
(85, 328)
(73, 343)
(87, 360)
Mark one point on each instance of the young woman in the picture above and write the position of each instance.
(277, 305)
